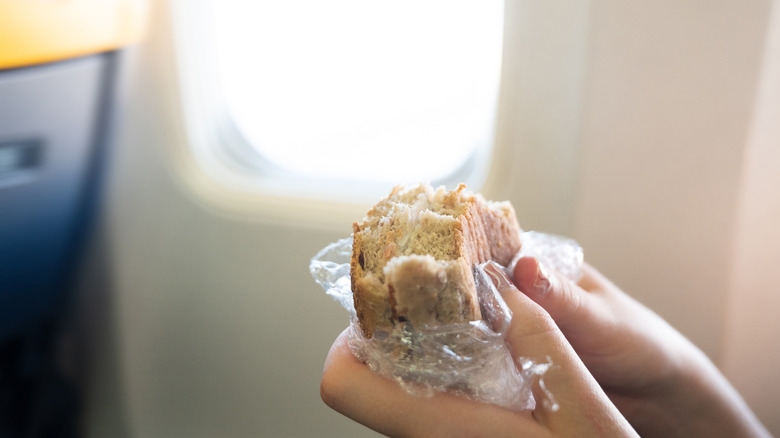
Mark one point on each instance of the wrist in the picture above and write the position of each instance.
(695, 400)
(715, 407)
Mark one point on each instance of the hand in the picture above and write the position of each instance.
(661, 382)
(351, 388)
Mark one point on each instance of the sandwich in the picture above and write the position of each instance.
(414, 253)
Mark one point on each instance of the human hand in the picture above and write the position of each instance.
(660, 381)
(351, 388)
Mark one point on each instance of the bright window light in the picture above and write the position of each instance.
(362, 89)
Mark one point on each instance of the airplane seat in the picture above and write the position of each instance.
(58, 68)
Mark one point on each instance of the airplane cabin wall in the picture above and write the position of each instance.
(626, 127)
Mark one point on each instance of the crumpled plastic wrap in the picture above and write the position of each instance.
(554, 252)
(469, 358)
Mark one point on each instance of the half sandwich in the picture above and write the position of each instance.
(414, 252)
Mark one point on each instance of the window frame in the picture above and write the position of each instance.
(219, 154)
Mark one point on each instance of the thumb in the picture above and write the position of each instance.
(533, 332)
(534, 335)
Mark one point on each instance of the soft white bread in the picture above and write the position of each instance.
(413, 255)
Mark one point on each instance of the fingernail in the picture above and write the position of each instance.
(542, 280)
(497, 275)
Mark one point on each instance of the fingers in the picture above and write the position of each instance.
(616, 338)
(533, 334)
(350, 387)
(574, 307)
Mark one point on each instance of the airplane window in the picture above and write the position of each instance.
(362, 90)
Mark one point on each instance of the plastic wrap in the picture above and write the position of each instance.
(472, 358)
(556, 253)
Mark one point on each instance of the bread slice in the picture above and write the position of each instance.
(413, 255)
